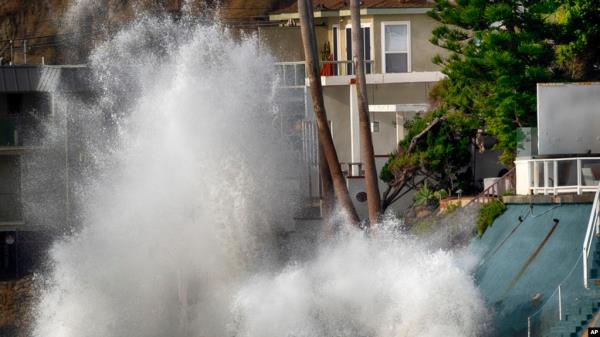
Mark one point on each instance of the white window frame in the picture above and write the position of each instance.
(408, 42)
(371, 35)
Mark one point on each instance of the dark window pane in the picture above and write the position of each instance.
(396, 63)
(366, 50)
(14, 103)
(349, 51)
(10, 188)
(290, 76)
(335, 50)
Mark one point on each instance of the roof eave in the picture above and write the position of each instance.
(346, 12)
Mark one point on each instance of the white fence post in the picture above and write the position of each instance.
(536, 177)
(578, 176)
(555, 182)
(585, 273)
(546, 177)
(559, 304)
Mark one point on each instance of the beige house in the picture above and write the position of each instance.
(398, 57)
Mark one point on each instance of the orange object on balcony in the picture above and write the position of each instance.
(327, 68)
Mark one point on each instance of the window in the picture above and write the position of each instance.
(396, 47)
(14, 103)
(366, 30)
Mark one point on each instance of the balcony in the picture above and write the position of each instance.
(557, 175)
(343, 68)
(293, 74)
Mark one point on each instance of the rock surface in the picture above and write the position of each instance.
(16, 303)
(45, 24)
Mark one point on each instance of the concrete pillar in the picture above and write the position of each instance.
(523, 177)
(400, 132)
(354, 127)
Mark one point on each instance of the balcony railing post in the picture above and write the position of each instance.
(585, 271)
(578, 176)
(559, 304)
(546, 177)
(536, 177)
(555, 176)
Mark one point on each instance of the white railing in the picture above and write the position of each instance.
(506, 183)
(562, 175)
(343, 67)
(293, 74)
(592, 231)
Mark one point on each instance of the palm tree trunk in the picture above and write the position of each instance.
(366, 141)
(305, 12)
(328, 194)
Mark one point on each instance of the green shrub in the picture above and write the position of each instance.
(488, 213)
(426, 196)
(423, 195)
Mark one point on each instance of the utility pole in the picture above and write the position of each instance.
(366, 141)
(305, 12)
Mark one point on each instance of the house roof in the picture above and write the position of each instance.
(336, 5)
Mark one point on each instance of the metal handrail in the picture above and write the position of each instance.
(562, 159)
(346, 62)
(485, 193)
(348, 70)
(589, 235)
(558, 292)
(336, 64)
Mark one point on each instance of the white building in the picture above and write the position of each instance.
(563, 154)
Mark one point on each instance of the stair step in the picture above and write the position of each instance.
(563, 331)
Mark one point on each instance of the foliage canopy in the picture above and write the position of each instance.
(495, 53)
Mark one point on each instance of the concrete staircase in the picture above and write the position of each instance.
(577, 317)
(583, 310)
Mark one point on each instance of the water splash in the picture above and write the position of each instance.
(181, 202)
(386, 285)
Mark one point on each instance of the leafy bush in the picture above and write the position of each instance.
(423, 195)
(488, 213)
(426, 196)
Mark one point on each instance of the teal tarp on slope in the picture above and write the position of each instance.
(519, 260)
